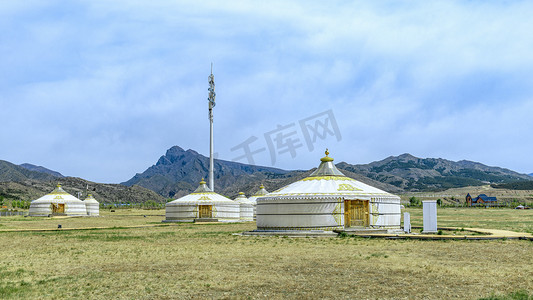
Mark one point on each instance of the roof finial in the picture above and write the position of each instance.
(202, 181)
(326, 158)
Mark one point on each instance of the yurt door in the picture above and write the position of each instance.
(355, 213)
(204, 211)
(58, 208)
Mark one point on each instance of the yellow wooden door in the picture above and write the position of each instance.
(61, 208)
(204, 211)
(347, 213)
(355, 213)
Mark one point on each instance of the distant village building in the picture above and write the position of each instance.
(58, 202)
(481, 199)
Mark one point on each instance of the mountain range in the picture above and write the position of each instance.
(28, 182)
(41, 170)
(413, 174)
(179, 171)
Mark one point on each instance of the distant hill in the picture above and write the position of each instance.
(431, 174)
(531, 174)
(515, 185)
(178, 172)
(12, 172)
(29, 182)
(105, 193)
(41, 169)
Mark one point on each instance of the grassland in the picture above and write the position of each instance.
(208, 261)
(494, 218)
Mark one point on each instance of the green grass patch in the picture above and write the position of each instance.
(518, 295)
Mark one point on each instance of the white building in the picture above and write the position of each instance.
(202, 203)
(328, 200)
(262, 192)
(93, 207)
(246, 207)
(58, 202)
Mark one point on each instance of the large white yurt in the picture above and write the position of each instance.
(246, 207)
(262, 192)
(202, 204)
(58, 202)
(328, 200)
(93, 207)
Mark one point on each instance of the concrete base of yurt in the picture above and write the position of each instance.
(205, 220)
(291, 233)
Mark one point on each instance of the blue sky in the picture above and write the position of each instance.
(101, 89)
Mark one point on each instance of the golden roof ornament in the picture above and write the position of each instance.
(202, 188)
(326, 167)
(326, 158)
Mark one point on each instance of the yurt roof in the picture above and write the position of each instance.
(58, 195)
(328, 181)
(203, 194)
(262, 191)
(90, 199)
(242, 199)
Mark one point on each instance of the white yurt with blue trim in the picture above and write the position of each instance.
(328, 200)
(58, 202)
(202, 204)
(246, 207)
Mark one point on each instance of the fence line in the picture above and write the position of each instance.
(12, 213)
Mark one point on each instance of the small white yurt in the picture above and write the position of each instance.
(93, 207)
(202, 204)
(246, 207)
(262, 192)
(328, 200)
(58, 202)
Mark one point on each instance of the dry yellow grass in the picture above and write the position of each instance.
(207, 261)
(520, 220)
(123, 217)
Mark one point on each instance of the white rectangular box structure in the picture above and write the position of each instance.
(430, 216)
(407, 222)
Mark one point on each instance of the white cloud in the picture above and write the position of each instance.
(100, 89)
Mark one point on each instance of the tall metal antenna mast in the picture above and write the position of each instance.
(211, 99)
